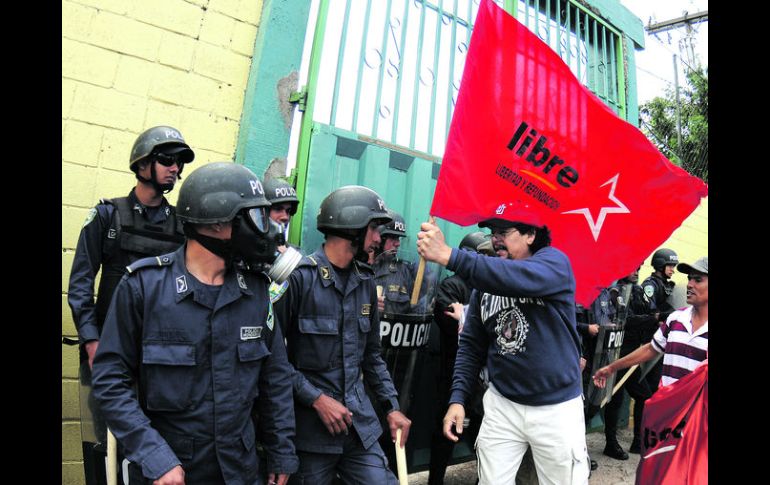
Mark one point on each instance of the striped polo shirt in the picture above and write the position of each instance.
(682, 349)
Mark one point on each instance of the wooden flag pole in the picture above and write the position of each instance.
(420, 273)
(620, 383)
(112, 459)
(401, 460)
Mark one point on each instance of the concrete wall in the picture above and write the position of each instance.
(128, 65)
(690, 242)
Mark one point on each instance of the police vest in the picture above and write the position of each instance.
(131, 237)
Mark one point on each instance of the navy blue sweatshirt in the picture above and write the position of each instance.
(521, 320)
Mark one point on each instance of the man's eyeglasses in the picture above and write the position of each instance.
(168, 160)
(503, 232)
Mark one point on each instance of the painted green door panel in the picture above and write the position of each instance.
(406, 182)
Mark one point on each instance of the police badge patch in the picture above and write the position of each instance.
(366, 309)
(325, 274)
(269, 321)
(649, 290)
(90, 217)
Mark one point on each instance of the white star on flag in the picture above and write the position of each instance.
(620, 208)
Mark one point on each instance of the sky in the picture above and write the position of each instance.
(655, 65)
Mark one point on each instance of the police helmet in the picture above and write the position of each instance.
(663, 257)
(279, 191)
(216, 192)
(473, 240)
(351, 207)
(160, 139)
(394, 228)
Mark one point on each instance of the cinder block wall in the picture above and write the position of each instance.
(128, 65)
(690, 241)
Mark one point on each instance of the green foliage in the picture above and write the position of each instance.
(658, 121)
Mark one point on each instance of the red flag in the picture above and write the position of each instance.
(528, 142)
(675, 433)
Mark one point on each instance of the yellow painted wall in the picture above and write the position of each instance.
(128, 65)
(690, 241)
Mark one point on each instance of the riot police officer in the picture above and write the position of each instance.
(658, 288)
(116, 233)
(333, 342)
(283, 200)
(641, 323)
(283, 204)
(394, 275)
(199, 339)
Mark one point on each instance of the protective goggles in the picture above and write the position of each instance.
(258, 218)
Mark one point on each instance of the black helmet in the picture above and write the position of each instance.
(473, 240)
(394, 228)
(663, 257)
(278, 191)
(217, 191)
(351, 207)
(163, 139)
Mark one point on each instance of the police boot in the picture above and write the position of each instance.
(613, 450)
(636, 445)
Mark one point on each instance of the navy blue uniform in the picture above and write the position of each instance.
(641, 324)
(333, 342)
(658, 291)
(661, 291)
(110, 243)
(202, 358)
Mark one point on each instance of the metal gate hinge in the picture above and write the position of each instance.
(299, 97)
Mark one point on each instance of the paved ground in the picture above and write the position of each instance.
(610, 471)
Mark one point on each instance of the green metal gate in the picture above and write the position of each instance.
(383, 80)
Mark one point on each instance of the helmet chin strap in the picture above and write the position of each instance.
(159, 188)
(358, 242)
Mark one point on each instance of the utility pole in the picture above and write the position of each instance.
(687, 21)
(678, 112)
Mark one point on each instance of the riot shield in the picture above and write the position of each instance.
(405, 331)
(608, 343)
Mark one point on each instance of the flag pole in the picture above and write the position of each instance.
(420, 273)
(620, 383)
(400, 460)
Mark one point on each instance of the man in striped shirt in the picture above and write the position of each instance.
(683, 340)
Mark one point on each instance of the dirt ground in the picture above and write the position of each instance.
(610, 471)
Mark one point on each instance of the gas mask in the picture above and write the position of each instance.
(255, 240)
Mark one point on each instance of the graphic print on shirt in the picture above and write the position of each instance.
(510, 324)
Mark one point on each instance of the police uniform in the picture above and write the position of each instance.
(396, 277)
(641, 324)
(202, 357)
(658, 291)
(116, 233)
(333, 342)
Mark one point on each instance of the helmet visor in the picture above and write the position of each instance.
(258, 218)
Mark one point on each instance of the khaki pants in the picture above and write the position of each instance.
(556, 434)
